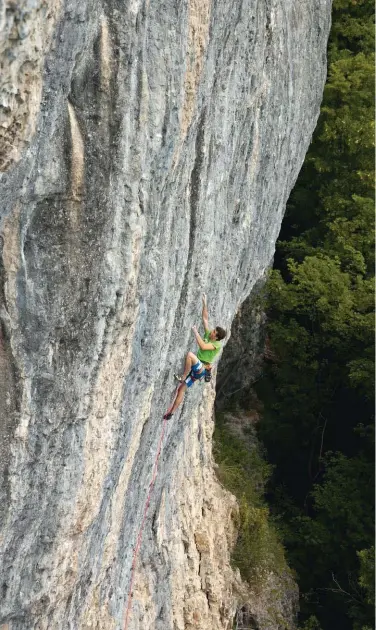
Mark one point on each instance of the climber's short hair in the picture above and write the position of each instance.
(220, 332)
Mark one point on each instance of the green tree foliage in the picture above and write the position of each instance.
(244, 471)
(318, 392)
(367, 573)
(311, 623)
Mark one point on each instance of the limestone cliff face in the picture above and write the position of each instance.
(147, 152)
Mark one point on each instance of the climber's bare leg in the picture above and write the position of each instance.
(190, 360)
(179, 397)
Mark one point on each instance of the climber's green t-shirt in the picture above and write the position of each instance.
(208, 356)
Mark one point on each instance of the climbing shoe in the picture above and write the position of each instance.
(167, 415)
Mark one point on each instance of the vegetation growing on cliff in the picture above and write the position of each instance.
(318, 393)
(244, 471)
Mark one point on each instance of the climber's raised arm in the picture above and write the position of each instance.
(203, 345)
(205, 316)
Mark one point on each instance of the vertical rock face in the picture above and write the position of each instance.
(147, 152)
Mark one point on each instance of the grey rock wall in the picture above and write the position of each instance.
(147, 152)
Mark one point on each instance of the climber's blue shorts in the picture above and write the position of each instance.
(195, 375)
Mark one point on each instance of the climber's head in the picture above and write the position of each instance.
(217, 334)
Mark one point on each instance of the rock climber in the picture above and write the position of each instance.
(198, 367)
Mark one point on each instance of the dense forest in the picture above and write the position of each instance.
(317, 385)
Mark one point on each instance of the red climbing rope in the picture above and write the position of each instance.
(139, 537)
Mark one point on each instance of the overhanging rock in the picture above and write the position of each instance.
(147, 151)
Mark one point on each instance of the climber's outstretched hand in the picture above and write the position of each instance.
(205, 312)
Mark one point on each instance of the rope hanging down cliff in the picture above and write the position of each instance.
(139, 537)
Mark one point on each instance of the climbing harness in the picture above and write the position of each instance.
(197, 376)
(194, 376)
